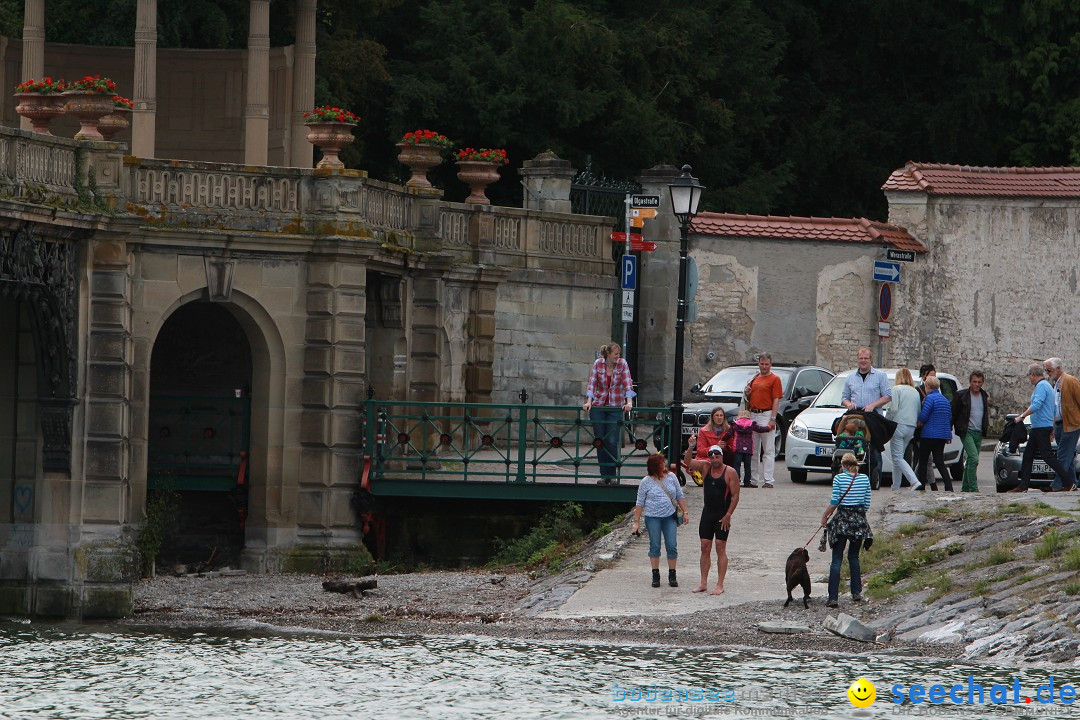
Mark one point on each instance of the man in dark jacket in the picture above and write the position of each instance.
(971, 417)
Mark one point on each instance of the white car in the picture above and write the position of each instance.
(810, 441)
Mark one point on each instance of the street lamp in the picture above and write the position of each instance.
(685, 193)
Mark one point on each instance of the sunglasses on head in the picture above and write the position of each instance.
(713, 453)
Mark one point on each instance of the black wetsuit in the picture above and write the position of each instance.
(717, 497)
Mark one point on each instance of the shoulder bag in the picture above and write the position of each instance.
(825, 535)
(678, 510)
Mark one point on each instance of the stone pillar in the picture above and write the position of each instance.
(547, 180)
(333, 390)
(144, 118)
(257, 110)
(303, 83)
(426, 381)
(33, 49)
(658, 279)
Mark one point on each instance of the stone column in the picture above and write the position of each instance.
(33, 58)
(547, 180)
(144, 118)
(658, 279)
(257, 110)
(303, 83)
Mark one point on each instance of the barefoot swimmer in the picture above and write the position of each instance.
(721, 495)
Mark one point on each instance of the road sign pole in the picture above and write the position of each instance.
(626, 324)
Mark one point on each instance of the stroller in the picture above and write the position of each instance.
(852, 436)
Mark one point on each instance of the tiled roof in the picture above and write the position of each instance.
(986, 181)
(853, 230)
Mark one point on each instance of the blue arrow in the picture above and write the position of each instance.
(886, 271)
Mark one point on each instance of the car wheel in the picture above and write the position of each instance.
(798, 476)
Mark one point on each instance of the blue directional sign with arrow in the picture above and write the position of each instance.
(886, 271)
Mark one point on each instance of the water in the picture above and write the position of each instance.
(119, 673)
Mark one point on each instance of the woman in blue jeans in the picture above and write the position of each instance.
(659, 499)
(850, 500)
(607, 397)
(904, 411)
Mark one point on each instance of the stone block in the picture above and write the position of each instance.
(314, 467)
(783, 628)
(48, 564)
(320, 302)
(279, 302)
(349, 393)
(318, 360)
(109, 284)
(52, 601)
(478, 379)
(351, 302)
(247, 277)
(349, 360)
(352, 275)
(353, 559)
(107, 602)
(14, 564)
(107, 346)
(107, 380)
(319, 329)
(316, 392)
(315, 427)
(341, 512)
(108, 562)
(849, 627)
(14, 600)
(190, 273)
(105, 419)
(344, 469)
(425, 316)
(280, 273)
(309, 510)
(349, 330)
(320, 275)
(109, 315)
(103, 502)
(345, 429)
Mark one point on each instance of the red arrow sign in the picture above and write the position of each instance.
(621, 237)
(637, 243)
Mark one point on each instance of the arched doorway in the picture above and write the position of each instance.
(198, 435)
(20, 450)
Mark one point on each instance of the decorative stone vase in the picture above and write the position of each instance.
(419, 159)
(330, 138)
(114, 123)
(39, 109)
(89, 108)
(477, 175)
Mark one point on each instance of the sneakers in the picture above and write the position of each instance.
(857, 598)
(767, 484)
(671, 580)
(656, 578)
(750, 484)
(832, 604)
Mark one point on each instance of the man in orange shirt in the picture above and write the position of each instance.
(763, 393)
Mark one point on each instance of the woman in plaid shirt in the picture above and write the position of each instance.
(607, 397)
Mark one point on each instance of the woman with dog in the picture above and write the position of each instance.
(660, 499)
(721, 496)
(850, 500)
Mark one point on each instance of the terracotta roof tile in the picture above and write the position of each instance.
(855, 230)
(986, 181)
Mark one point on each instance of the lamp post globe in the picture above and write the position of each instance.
(685, 192)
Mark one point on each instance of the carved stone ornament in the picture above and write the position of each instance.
(219, 277)
(42, 276)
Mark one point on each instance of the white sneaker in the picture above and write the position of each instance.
(915, 487)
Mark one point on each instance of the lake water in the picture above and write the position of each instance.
(79, 671)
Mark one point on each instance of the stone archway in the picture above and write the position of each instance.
(198, 443)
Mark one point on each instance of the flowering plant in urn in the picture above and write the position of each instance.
(488, 155)
(427, 137)
(122, 103)
(93, 84)
(43, 86)
(330, 114)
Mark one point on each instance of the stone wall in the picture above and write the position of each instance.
(997, 292)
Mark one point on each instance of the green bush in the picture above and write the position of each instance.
(557, 528)
(162, 509)
(1053, 542)
(1001, 553)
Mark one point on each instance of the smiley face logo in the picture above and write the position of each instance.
(862, 693)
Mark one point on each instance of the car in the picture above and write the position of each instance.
(1007, 464)
(810, 442)
(801, 383)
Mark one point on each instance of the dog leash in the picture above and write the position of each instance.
(807, 543)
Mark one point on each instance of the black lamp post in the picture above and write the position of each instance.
(685, 193)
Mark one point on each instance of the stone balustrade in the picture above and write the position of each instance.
(37, 167)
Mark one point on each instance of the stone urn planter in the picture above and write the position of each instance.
(419, 159)
(39, 109)
(89, 108)
(330, 138)
(477, 174)
(114, 123)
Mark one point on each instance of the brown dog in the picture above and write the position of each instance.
(796, 574)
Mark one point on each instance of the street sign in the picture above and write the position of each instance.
(644, 213)
(627, 313)
(886, 271)
(882, 328)
(628, 298)
(900, 255)
(628, 272)
(637, 221)
(644, 201)
(884, 305)
(621, 237)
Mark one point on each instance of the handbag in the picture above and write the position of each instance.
(678, 510)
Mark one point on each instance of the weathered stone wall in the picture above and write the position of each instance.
(548, 327)
(801, 301)
(997, 291)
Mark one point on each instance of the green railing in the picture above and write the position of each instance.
(512, 443)
(195, 441)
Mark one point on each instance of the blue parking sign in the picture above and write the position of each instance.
(628, 272)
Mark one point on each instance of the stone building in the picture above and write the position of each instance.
(999, 282)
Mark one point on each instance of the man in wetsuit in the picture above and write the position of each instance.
(721, 495)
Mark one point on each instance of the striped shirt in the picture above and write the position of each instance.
(859, 494)
(609, 390)
(654, 500)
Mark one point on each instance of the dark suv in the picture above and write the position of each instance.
(725, 388)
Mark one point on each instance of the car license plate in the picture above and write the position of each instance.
(823, 451)
(1040, 467)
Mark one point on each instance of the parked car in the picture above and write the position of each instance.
(801, 383)
(810, 441)
(1007, 464)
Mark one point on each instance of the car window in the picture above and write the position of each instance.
(833, 393)
(948, 388)
(733, 380)
(811, 381)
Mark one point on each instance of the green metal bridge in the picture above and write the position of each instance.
(512, 451)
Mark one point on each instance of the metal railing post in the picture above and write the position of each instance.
(523, 428)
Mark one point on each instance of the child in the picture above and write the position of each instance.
(742, 430)
(854, 437)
